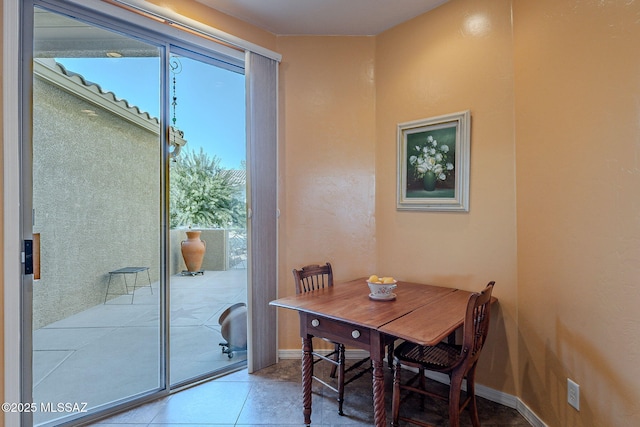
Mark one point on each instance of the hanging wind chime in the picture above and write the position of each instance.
(176, 68)
(193, 248)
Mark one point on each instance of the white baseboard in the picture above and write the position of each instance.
(496, 396)
(529, 415)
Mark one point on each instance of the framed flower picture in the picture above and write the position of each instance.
(433, 163)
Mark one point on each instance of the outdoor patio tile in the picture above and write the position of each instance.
(212, 321)
(194, 314)
(120, 340)
(196, 350)
(143, 296)
(102, 315)
(127, 354)
(148, 317)
(45, 362)
(204, 295)
(50, 338)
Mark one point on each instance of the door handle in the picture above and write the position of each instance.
(28, 257)
(32, 256)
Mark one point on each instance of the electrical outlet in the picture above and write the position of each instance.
(573, 394)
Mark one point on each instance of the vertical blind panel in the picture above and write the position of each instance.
(262, 115)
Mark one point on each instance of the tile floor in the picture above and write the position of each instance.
(271, 398)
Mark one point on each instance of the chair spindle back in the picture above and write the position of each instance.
(312, 277)
(476, 324)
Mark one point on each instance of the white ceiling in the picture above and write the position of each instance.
(324, 17)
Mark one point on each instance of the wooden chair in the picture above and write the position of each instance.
(314, 277)
(458, 361)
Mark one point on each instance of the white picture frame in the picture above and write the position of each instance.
(433, 163)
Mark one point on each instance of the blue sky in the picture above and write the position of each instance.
(210, 100)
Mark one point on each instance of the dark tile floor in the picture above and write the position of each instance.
(271, 398)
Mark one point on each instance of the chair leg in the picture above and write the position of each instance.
(422, 385)
(395, 402)
(336, 357)
(471, 392)
(454, 399)
(390, 349)
(341, 362)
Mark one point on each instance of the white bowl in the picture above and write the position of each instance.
(382, 289)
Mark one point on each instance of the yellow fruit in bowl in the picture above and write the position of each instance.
(386, 280)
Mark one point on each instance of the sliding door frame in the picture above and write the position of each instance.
(17, 75)
(134, 32)
(12, 232)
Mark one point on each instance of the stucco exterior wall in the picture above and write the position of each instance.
(96, 198)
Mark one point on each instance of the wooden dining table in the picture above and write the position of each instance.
(345, 313)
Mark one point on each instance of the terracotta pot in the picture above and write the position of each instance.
(193, 251)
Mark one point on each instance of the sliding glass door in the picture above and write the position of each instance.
(134, 144)
(208, 281)
(97, 317)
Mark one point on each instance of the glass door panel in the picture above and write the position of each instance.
(208, 320)
(96, 160)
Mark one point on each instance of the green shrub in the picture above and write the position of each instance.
(203, 194)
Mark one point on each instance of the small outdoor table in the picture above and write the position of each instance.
(124, 271)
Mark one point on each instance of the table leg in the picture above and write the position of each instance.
(376, 352)
(307, 372)
(379, 411)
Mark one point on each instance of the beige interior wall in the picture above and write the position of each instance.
(577, 155)
(578, 161)
(326, 162)
(454, 58)
(576, 124)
